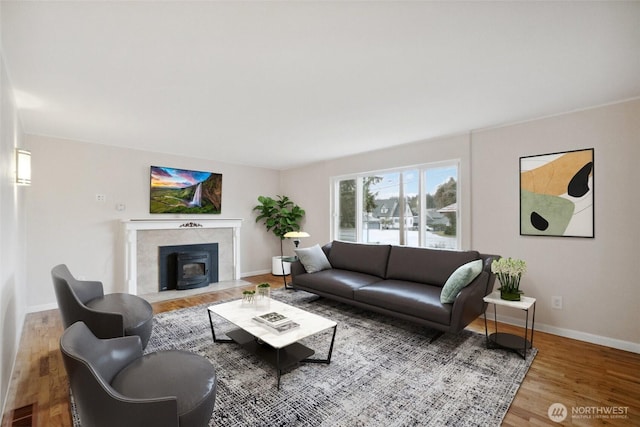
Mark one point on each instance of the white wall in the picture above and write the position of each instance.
(596, 277)
(12, 236)
(67, 224)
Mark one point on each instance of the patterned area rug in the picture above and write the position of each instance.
(383, 372)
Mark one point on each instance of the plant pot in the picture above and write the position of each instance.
(262, 293)
(248, 298)
(510, 296)
(277, 267)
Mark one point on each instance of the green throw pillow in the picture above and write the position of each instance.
(459, 279)
(313, 259)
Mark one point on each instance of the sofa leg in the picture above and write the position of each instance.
(436, 336)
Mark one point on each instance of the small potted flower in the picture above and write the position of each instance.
(248, 297)
(509, 272)
(263, 290)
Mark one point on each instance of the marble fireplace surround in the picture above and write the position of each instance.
(144, 236)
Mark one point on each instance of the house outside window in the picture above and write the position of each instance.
(387, 207)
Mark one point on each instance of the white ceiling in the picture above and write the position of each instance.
(281, 84)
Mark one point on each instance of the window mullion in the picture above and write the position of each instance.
(422, 208)
(359, 208)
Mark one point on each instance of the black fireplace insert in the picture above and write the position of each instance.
(187, 266)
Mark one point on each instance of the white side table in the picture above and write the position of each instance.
(509, 341)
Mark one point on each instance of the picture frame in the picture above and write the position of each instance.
(184, 191)
(557, 194)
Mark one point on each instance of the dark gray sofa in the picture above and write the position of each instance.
(399, 281)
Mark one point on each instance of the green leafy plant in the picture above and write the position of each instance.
(248, 296)
(509, 272)
(280, 216)
(264, 290)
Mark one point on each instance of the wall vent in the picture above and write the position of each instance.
(24, 416)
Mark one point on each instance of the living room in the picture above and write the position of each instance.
(58, 219)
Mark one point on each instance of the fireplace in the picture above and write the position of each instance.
(143, 237)
(184, 267)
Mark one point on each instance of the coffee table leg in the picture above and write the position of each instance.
(213, 332)
(278, 366)
(328, 359)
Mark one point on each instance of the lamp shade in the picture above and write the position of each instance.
(296, 234)
(23, 167)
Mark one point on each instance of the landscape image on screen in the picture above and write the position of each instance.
(185, 191)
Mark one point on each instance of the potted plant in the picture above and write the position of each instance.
(280, 216)
(509, 272)
(264, 290)
(248, 297)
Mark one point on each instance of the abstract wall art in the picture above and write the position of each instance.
(556, 194)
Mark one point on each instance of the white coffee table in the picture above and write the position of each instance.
(281, 350)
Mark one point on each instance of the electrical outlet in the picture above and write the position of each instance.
(101, 198)
(556, 302)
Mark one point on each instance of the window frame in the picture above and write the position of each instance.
(422, 208)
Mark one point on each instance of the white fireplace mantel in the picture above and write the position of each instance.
(132, 226)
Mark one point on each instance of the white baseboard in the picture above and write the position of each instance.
(254, 273)
(53, 305)
(562, 332)
(42, 307)
(576, 335)
(20, 328)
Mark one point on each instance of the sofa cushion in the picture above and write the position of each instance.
(414, 299)
(334, 281)
(313, 259)
(187, 376)
(459, 279)
(423, 265)
(359, 257)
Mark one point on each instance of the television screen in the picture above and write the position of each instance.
(185, 191)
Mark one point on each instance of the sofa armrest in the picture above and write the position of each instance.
(104, 324)
(296, 269)
(469, 303)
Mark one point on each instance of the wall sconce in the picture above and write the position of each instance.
(23, 167)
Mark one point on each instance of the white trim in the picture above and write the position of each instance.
(550, 116)
(542, 327)
(42, 307)
(132, 226)
(54, 306)
(573, 334)
(255, 273)
(422, 169)
(20, 328)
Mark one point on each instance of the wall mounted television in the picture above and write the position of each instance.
(184, 191)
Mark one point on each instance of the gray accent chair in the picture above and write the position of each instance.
(108, 316)
(114, 384)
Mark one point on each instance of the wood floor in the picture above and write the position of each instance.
(579, 375)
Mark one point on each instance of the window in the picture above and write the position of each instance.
(389, 206)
